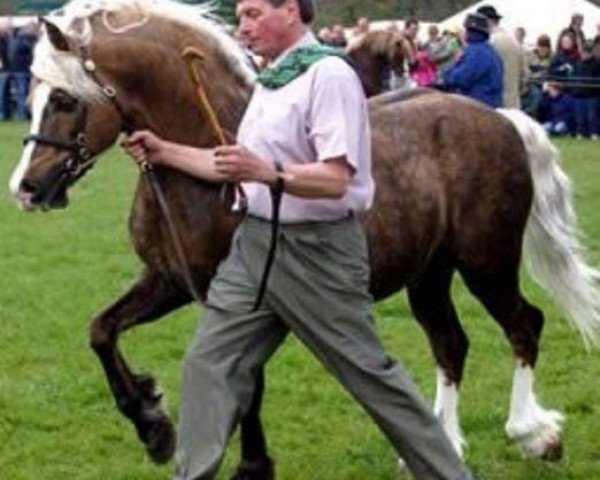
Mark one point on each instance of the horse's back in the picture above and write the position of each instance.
(450, 173)
(394, 96)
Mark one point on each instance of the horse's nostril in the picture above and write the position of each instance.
(29, 186)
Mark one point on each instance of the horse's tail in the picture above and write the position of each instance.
(554, 254)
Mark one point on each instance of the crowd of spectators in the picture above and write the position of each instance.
(16, 55)
(558, 83)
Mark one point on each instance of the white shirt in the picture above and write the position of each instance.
(320, 115)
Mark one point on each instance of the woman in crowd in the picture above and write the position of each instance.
(538, 64)
(566, 56)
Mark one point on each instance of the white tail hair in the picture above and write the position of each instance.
(554, 253)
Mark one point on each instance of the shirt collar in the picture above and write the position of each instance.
(306, 40)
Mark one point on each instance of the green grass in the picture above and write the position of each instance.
(57, 418)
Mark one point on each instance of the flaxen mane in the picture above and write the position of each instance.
(82, 20)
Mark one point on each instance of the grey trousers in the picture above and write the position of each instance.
(318, 290)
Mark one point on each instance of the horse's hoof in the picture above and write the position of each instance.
(159, 439)
(553, 451)
(262, 469)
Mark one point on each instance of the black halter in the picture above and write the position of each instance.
(80, 159)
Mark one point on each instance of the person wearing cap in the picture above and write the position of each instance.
(479, 72)
(513, 58)
(305, 133)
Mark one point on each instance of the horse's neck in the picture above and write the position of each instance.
(177, 112)
(174, 111)
(371, 69)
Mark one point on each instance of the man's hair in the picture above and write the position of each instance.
(411, 22)
(307, 8)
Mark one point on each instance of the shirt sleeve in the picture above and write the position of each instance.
(338, 117)
(466, 72)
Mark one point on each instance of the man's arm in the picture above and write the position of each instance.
(145, 146)
(326, 179)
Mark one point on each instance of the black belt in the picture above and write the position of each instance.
(301, 223)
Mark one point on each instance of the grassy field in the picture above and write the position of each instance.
(57, 419)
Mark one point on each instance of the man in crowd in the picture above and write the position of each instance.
(479, 72)
(338, 37)
(319, 156)
(411, 30)
(20, 56)
(513, 58)
(520, 35)
(362, 27)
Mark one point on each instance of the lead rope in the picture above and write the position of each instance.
(192, 57)
(146, 168)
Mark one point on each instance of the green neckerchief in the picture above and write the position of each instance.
(295, 64)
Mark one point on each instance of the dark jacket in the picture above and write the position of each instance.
(479, 73)
(558, 109)
(20, 51)
(563, 64)
(587, 72)
(4, 52)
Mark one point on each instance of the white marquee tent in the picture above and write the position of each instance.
(536, 16)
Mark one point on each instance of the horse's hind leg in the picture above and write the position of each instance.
(536, 429)
(136, 395)
(432, 306)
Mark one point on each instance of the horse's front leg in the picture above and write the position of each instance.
(137, 396)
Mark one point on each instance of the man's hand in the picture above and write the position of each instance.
(144, 146)
(238, 164)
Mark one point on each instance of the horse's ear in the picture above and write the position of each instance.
(57, 38)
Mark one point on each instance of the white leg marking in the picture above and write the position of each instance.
(446, 409)
(535, 428)
(40, 99)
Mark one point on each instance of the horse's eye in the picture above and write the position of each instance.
(62, 101)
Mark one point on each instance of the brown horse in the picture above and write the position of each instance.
(379, 53)
(459, 186)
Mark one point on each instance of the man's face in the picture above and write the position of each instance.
(264, 28)
(412, 31)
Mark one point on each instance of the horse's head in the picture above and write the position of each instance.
(400, 52)
(72, 123)
(377, 51)
(104, 68)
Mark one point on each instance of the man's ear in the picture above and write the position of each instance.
(57, 38)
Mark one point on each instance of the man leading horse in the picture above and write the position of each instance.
(306, 134)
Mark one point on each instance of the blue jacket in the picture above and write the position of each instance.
(20, 51)
(479, 73)
(558, 109)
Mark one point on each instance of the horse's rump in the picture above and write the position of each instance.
(451, 174)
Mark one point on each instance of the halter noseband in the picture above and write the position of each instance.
(81, 159)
